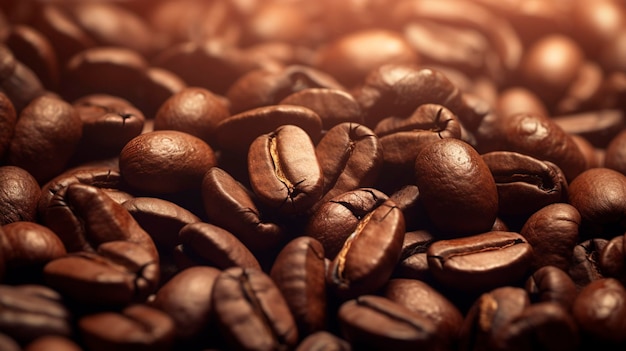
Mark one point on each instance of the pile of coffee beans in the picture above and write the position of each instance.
(312, 175)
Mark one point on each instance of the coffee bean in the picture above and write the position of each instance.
(551, 284)
(19, 195)
(599, 310)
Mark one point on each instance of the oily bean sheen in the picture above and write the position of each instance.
(251, 312)
(19, 195)
(137, 327)
(165, 161)
(456, 187)
(376, 322)
(46, 134)
(284, 170)
(598, 195)
(480, 262)
(600, 310)
(551, 284)
(299, 273)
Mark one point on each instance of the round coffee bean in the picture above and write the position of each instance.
(165, 161)
(19, 195)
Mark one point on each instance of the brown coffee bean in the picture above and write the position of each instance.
(550, 65)
(323, 340)
(517, 100)
(456, 187)
(391, 90)
(211, 245)
(597, 127)
(600, 310)
(423, 299)
(598, 23)
(613, 259)
(22, 86)
(46, 135)
(351, 157)
(376, 322)
(251, 312)
(299, 273)
(109, 123)
(165, 161)
(27, 247)
(413, 262)
(231, 206)
(615, 157)
(237, 132)
(186, 298)
(544, 325)
(489, 313)
(553, 233)
(480, 262)
(117, 274)
(334, 106)
(585, 266)
(192, 110)
(84, 217)
(551, 284)
(28, 312)
(525, 184)
(284, 171)
(51, 342)
(34, 49)
(266, 87)
(597, 194)
(137, 327)
(350, 59)
(19, 195)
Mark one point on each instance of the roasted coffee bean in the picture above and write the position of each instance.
(22, 86)
(597, 194)
(117, 274)
(545, 325)
(517, 100)
(237, 132)
(391, 90)
(585, 266)
(284, 170)
(525, 184)
(615, 157)
(26, 247)
(540, 137)
(51, 342)
(192, 110)
(582, 93)
(34, 49)
(374, 322)
(413, 262)
(299, 273)
(597, 127)
(350, 58)
(423, 299)
(8, 119)
(334, 106)
(84, 217)
(265, 87)
(553, 233)
(480, 262)
(137, 327)
(211, 245)
(600, 310)
(456, 187)
(402, 138)
(231, 206)
(19, 195)
(186, 298)
(110, 24)
(31, 311)
(161, 219)
(107, 178)
(613, 259)
(598, 23)
(551, 284)
(350, 156)
(323, 340)
(165, 161)
(490, 313)
(251, 312)
(109, 122)
(56, 127)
